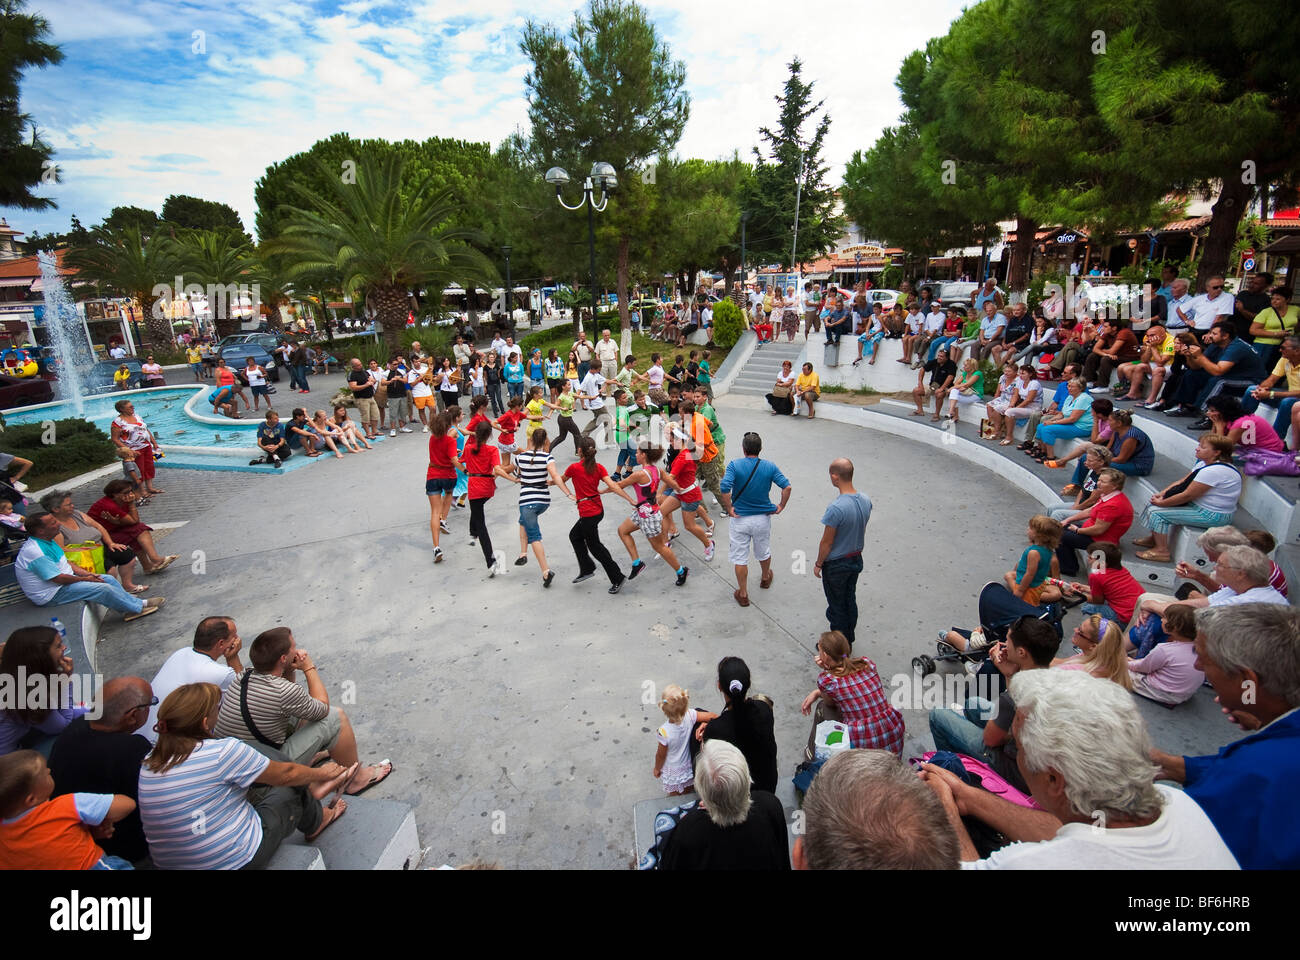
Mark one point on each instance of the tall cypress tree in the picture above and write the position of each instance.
(777, 185)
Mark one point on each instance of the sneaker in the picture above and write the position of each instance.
(407, 430)
(473, 541)
(550, 576)
(681, 577)
(673, 536)
(253, 463)
(392, 433)
(636, 570)
(495, 568)
(584, 576)
(521, 561)
(616, 586)
(442, 525)
(1097, 391)
(437, 554)
(708, 552)
(426, 430)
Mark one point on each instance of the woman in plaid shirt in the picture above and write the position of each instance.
(849, 691)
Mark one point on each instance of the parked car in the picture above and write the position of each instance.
(959, 291)
(99, 379)
(24, 391)
(267, 341)
(237, 355)
(885, 297)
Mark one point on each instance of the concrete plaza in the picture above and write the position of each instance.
(520, 719)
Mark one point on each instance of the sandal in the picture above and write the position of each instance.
(1153, 557)
(373, 780)
(1146, 542)
(1005, 443)
(740, 598)
(330, 814)
(167, 561)
(138, 589)
(1070, 490)
(766, 582)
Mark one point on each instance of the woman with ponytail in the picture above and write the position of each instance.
(483, 465)
(745, 722)
(587, 476)
(196, 807)
(849, 691)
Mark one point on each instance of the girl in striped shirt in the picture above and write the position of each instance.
(535, 470)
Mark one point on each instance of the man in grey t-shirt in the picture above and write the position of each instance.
(839, 555)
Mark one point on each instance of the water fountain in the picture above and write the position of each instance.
(67, 334)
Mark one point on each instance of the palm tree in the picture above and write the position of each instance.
(120, 263)
(221, 261)
(381, 238)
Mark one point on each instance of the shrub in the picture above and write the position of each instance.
(728, 323)
(78, 445)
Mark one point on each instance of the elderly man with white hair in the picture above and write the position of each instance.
(1086, 756)
(735, 827)
(1251, 656)
(868, 811)
(1242, 574)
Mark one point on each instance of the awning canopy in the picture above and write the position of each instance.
(1287, 244)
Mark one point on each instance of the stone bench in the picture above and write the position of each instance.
(82, 620)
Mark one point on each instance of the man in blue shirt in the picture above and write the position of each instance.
(1248, 789)
(751, 510)
(839, 555)
(1225, 363)
(46, 577)
(271, 441)
(992, 329)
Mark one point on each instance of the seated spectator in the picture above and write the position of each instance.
(119, 515)
(1038, 563)
(37, 658)
(866, 810)
(1003, 397)
(943, 373)
(299, 434)
(1099, 642)
(1096, 458)
(46, 577)
(1042, 339)
(1225, 363)
(1251, 656)
(37, 833)
(1074, 420)
(849, 691)
(215, 639)
(271, 441)
(1101, 435)
(1134, 453)
(870, 336)
(1247, 431)
(1116, 345)
(745, 721)
(76, 527)
(737, 827)
(1085, 754)
(968, 389)
(1020, 326)
(1155, 360)
(1212, 543)
(982, 729)
(1075, 337)
(190, 772)
(1026, 400)
(807, 389)
(1111, 590)
(781, 398)
(267, 706)
(1029, 445)
(1286, 373)
(103, 755)
(1168, 674)
(1105, 521)
(1206, 497)
(1266, 543)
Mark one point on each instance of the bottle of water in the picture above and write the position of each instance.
(59, 628)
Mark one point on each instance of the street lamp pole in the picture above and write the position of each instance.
(510, 310)
(744, 215)
(603, 176)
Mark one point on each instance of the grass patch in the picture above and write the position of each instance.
(858, 391)
(78, 446)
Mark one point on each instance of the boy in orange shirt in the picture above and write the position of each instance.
(37, 833)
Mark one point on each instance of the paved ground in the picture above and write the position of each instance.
(519, 718)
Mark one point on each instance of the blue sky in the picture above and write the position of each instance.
(200, 96)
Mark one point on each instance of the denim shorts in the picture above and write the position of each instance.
(439, 485)
(692, 506)
(528, 514)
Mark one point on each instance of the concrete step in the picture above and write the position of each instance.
(293, 856)
(374, 834)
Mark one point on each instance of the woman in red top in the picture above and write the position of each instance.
(587, 476)
(116, 512)
(483, 464)
(440, 480)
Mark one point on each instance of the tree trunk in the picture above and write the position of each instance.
(624, 316)
(390, 311)
(157, 327)
(1225, 217)
(1021, 252)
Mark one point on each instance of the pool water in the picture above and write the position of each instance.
(163, 412)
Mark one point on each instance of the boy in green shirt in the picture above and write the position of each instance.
(622, 422)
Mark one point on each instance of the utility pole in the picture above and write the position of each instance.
(744, 215)
(794, 244)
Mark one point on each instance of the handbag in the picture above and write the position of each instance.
(1270, 463)
(781, 390)
(87, 556)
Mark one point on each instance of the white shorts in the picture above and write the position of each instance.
(1021, 413)
(744, 531)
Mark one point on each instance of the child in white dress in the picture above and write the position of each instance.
(673, 758)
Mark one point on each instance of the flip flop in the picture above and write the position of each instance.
(373, 781)
(145, 612)
(767, 581)
(138, 589)
(740, 598)
(1153, 557)
(336, 810)
(167, 562)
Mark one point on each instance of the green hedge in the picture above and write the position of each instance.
(728, 323)
(78, 446)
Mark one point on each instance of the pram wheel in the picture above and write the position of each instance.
(946, 649)
(923, 665)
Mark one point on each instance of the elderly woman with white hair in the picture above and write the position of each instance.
(735, 826)
(1086, 756)
(1251, 656)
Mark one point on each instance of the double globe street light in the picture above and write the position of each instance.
(602, 176)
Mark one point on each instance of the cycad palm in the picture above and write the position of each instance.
(122, 264)
(382, 238)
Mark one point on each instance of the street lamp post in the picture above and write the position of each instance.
(510, 312)
(744, 215)
(602, 175)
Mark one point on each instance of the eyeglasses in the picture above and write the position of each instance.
(153, 702)
(1215, 286)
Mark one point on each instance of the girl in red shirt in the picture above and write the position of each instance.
(483, 465)
(587, 476)
(440, 480)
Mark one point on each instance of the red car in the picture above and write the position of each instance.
(15, 392)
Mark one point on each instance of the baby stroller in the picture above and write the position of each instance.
(998, 609)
